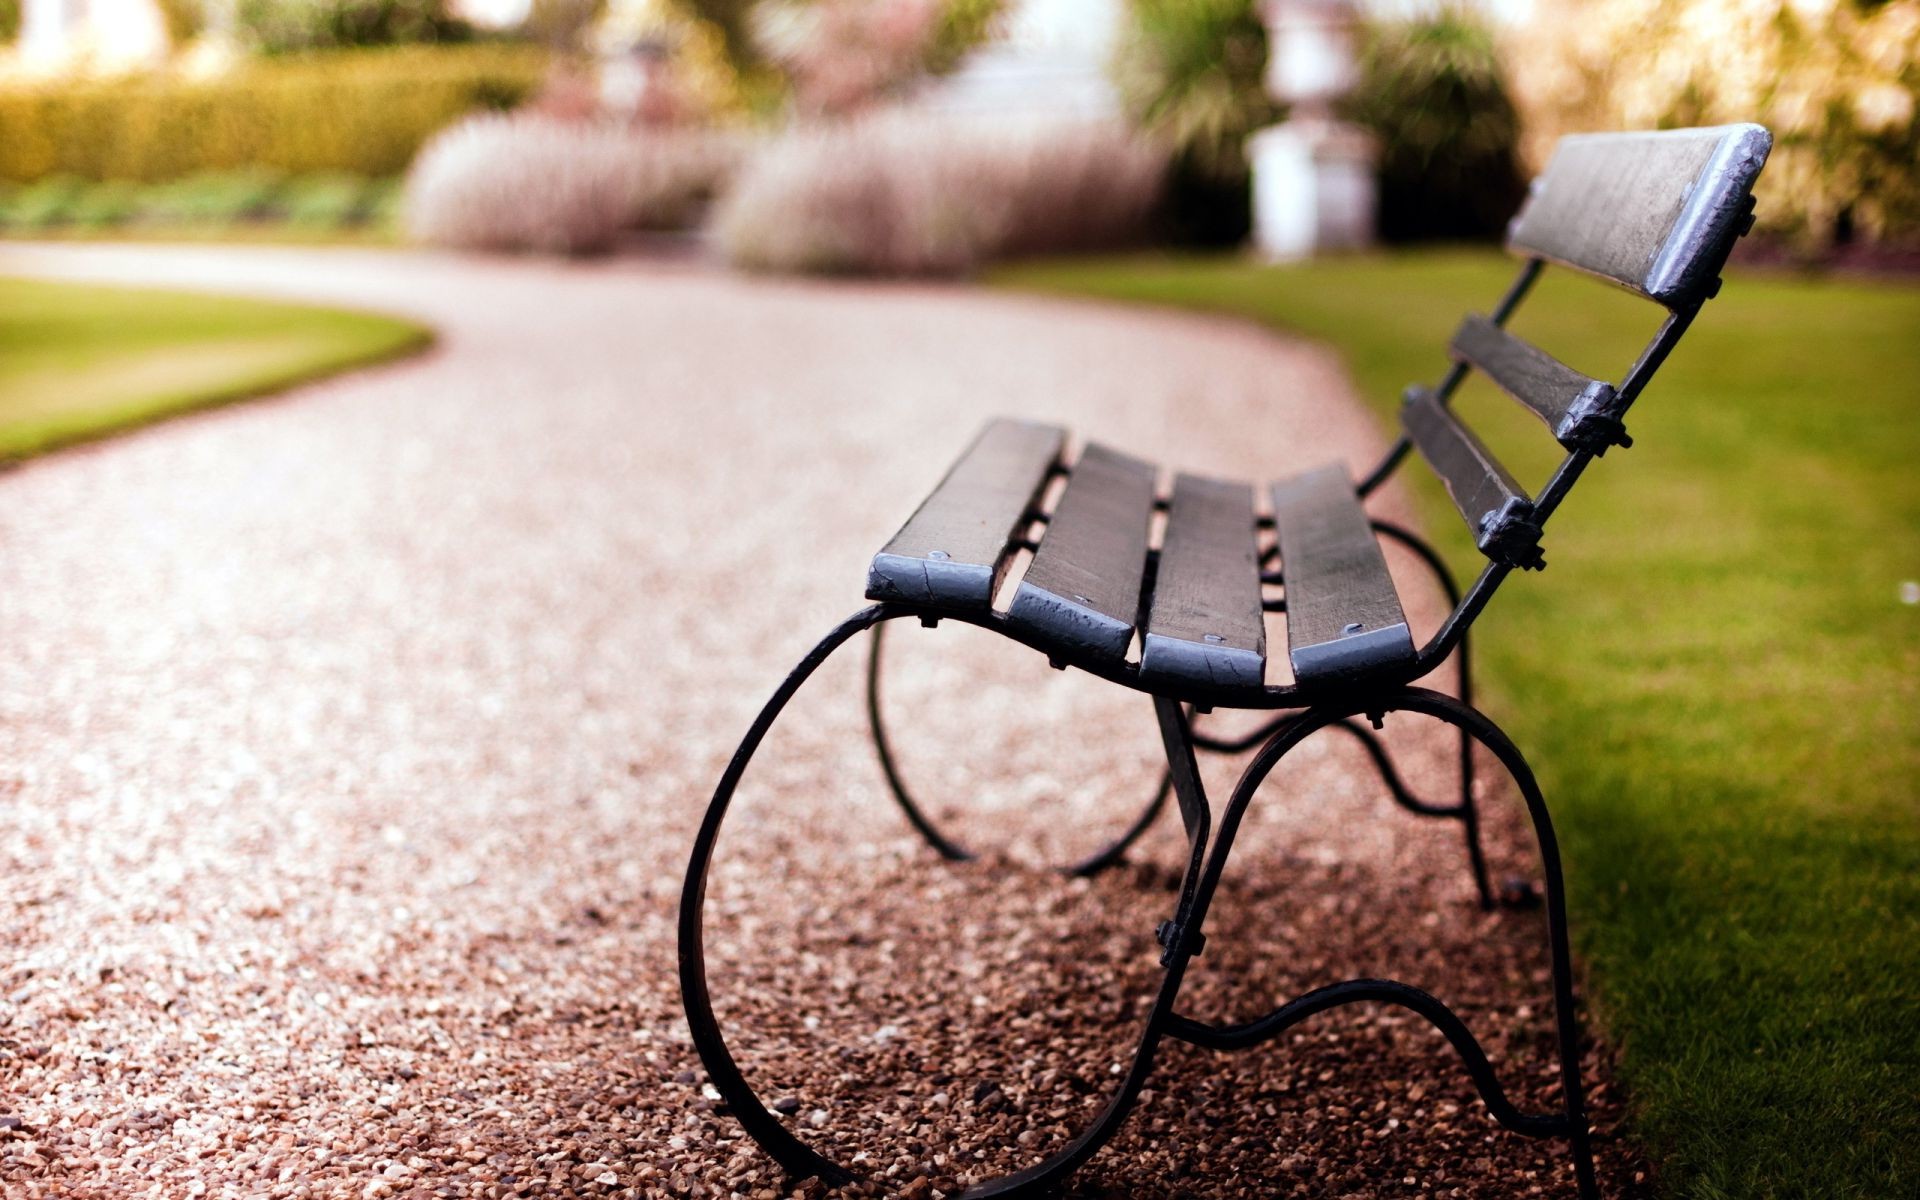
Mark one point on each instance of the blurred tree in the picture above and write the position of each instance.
(184, 19)
(733, 20)
(9, 20)
(963, 26)
(1838, 82)
(1189, 72)
(838, 55)
(561, 25)
(283, 26)
(1431, 90)
(700, 74)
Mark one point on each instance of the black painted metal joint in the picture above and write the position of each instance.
(1592, 422)
(1511, 536)
(1168, 936)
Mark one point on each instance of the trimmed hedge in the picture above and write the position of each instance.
(359, 111)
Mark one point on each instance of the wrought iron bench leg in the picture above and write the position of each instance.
(1571, 1121)
(1469, 809)
(1465, 810)
(945, 846)
(799, 1159)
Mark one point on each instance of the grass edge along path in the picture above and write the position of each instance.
(1716, 679)
(80, 362)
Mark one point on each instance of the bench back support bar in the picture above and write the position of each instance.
(1654, 213)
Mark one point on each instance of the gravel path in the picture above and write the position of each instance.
(351, 744)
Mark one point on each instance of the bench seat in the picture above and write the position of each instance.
(1188, 611)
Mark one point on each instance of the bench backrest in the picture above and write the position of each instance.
(1655, 213)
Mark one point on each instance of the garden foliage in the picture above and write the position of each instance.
(526, 182)
(209, 201)
(899, 193)
(1434, 95)
(1838, 82)
(834, 56)
(1190, 74)
(284, 26)
(364, 112)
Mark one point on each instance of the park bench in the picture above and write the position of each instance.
(1655, 213)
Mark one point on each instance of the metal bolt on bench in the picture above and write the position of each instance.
(1656, 213)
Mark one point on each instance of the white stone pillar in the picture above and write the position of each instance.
(46, 31)
(1313, 176)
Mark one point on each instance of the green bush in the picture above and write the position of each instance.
(43, 203)
(1432, 92)
(366, 112)
(325, 201)
(290, 26)
(184, 19)
(212, 198)
(102, 205)
(1190, 73)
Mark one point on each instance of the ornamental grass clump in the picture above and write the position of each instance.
(911, 193)
(533, 183)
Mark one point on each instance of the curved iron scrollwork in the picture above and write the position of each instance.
(1181, 938)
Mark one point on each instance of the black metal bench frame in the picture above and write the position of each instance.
(1655, 213)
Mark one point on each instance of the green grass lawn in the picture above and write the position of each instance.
(79, 362)
(1715, 677)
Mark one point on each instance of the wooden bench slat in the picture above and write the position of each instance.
(1579, 409)
(954, 550)
(1081, 592)
(1343, 613)
(1495, 507)
(1204, 623)
(1654, 212)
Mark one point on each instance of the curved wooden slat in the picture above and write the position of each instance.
(954, 550)
(1204, 624)
(1343, 614)
(1081, 592)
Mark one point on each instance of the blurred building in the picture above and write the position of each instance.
(59, 35)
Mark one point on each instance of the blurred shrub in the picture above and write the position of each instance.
(285, 26)
(208, 201)
(43, 203)
(962, 27)
(384, 204)
(360, 111)
(528, 183)
(1838, 82)
(1432, 91)
(9, 20)
(184, 19)
(907, 193)
(733, 21)
(562, 25)
(103, 205)
(1190, 73)
(331, 200)
(212, 197)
